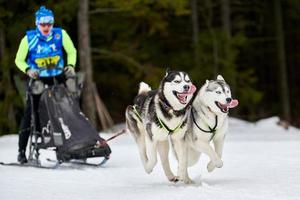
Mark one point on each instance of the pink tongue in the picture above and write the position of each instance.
(182, 98)
(192, 89)
(233, 103)
(183, 95)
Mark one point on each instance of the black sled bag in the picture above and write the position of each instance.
(62, 123)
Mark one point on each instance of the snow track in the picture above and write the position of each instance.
(261, 161)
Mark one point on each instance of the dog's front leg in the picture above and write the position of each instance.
(182, 156)
(218, 144)
(204, 147)
(142, 149)
(151, 149)
(163, 149)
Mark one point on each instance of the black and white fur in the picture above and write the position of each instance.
(171, 104)
(209, 122)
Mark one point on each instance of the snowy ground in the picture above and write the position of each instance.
(261, 161)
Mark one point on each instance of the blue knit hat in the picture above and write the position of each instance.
(44, 16)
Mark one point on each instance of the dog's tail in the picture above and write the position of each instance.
(144, 88)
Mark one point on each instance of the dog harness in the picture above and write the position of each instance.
(136, 112)
(160, 123)
(211, 130)
(163, 125)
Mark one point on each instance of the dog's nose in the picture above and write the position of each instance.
(186, 87)
(228, 100)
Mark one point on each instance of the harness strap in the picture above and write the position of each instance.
(104, 142)
(170, 131)
(161, 123)
(211, 130)
(136, 112)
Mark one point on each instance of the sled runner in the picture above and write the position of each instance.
(29, 164)
(62, 127)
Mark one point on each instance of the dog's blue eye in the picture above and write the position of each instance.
(177, 81)
(218, 92)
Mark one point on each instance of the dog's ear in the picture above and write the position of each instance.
(219, 77)
(203, 88)
(206, 84)
(168, 70)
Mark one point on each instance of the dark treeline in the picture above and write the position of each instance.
(253, 44)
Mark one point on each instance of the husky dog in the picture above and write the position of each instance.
(209, 122)
(158, 114)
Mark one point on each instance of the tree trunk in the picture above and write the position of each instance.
(283, 89)
(2, 44)
(226, 26)
(215, 47)
(7, 87)
(226, 23)
(88, 103)
(195, 32)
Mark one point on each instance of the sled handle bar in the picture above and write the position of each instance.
(43, 69)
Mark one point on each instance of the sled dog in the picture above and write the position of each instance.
(208, 122)
(159, 114)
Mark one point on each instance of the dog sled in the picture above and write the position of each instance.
(62, 127)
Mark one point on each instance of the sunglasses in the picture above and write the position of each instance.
(45, 24)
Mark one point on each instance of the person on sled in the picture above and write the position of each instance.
(40, 55)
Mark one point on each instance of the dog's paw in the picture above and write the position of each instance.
(148, 170)
(188, 181)
(174, 179)
(218, 163)
(210, 166)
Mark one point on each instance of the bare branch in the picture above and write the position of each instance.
(107, 10)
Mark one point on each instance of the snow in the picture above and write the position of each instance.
(261, 161)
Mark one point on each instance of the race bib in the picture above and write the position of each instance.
(47, 62)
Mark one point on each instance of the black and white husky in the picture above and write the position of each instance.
(159, 114)
(209, 122)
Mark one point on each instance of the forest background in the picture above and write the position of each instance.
(253, 44)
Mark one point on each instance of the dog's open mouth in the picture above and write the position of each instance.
(225, 107)
(182, 96)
